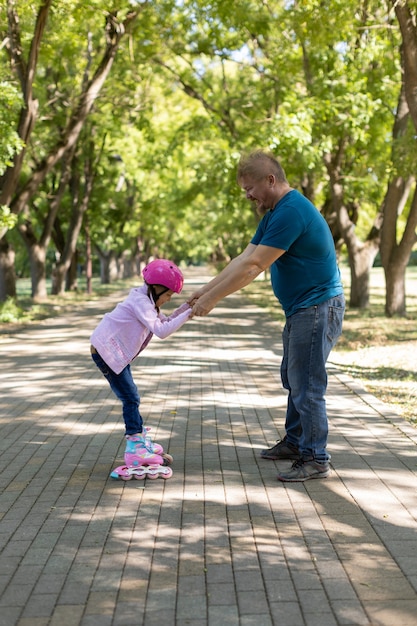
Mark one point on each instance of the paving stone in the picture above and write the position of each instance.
(222, 543)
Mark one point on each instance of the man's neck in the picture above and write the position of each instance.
(282, 191)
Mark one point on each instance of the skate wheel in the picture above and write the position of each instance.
(158, 471)
(153, 471)
(167, 474)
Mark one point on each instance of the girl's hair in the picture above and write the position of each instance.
(152, 291)
(260, 164)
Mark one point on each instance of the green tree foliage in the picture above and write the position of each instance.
(51, 154)
(319, 92)
(191, 86)
(10, 142)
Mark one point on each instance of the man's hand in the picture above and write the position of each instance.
(195, 296)
(202, 306)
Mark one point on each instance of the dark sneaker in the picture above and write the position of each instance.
(304, 470)
(281, 450)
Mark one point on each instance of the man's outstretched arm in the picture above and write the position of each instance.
(241, 271)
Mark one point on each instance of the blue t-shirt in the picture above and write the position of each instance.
(307, 273)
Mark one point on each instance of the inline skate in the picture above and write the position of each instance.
(155, 447)
(143, 459)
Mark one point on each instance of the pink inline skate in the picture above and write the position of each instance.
(143, 458)
(155, 447)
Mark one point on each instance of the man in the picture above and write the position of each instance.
(294, 240)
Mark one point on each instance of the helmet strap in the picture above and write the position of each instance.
(155, 296)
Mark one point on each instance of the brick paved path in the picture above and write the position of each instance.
(223, 542)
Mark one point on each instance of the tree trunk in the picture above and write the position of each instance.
(80, 195)
(395, 301)
(108, 266)
(37, 256)
(61, 278)
(360, 263)
(125, 265)
(69, 254)
(71, 278)
(361, 255)
(37, 247)
(395, 255)
(88, 258)
(396, 266)
(7, 271)
(407, 21)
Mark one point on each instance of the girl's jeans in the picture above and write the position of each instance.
(308, 337)
(124, 388)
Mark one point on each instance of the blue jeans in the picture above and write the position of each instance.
(123, 386)
(308, 337)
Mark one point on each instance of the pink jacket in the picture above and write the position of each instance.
(127, 330)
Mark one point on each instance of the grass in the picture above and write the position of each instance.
(378, 351)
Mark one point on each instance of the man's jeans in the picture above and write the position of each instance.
(123, 386)
(308, 337)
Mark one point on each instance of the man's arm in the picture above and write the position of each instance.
(237, 274)
(222, 275)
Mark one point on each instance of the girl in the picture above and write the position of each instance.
(120, 336)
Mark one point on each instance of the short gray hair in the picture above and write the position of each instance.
(259, 164)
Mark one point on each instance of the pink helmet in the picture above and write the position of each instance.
(163, 272)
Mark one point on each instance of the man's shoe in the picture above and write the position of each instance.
(281, 450)
(304, 470)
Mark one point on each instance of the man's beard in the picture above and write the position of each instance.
(260, 208)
